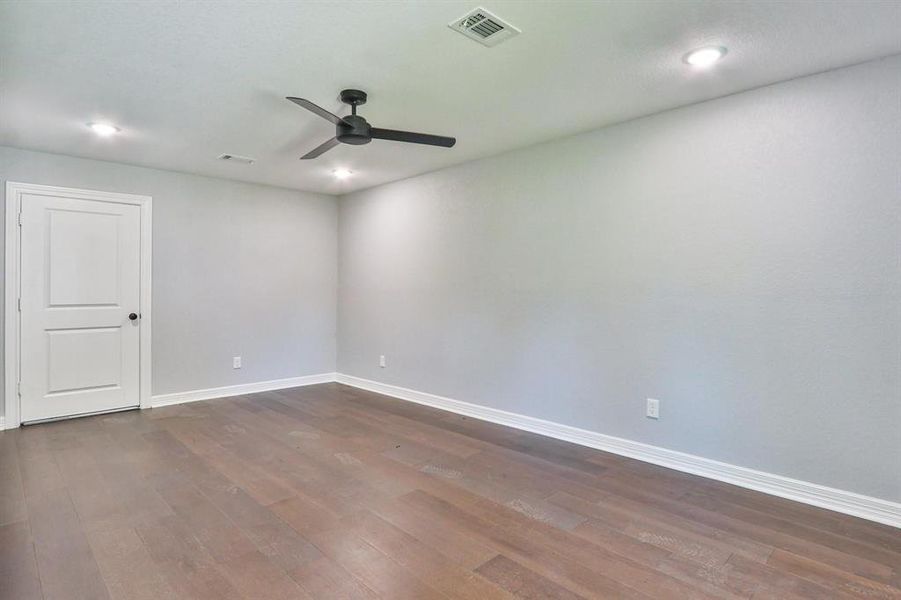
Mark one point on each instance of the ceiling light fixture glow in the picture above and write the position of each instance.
(704, 57)
(103, 129)
(342, 173)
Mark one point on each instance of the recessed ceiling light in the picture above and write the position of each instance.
(704, 57)
(342, 173)
(103, 129)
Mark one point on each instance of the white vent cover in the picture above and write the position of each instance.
(484, 27)
(236, 158)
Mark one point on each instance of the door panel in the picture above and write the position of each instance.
(83, 262)
(80, 278)
(79, 359)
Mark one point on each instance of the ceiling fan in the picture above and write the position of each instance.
(353, 129)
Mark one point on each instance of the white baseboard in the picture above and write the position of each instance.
(2, 423)
(850, 503)
(239, 390)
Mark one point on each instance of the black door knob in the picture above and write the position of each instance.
(132, 316)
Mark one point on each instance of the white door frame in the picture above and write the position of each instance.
(14, 197)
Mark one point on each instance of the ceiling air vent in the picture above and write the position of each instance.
(483, 27)
(236, 158)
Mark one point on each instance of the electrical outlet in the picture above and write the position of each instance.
(382, 362)
(236, 362)
(653, 408)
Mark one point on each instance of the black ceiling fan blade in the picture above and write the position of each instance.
(412, 137)
(314, 108)
(321, 149)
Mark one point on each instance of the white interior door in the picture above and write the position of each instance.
(80, 326)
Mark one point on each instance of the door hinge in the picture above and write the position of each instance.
(19, 389)
(20, 217)
(19, 304)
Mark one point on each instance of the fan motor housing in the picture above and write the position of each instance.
(353, 129)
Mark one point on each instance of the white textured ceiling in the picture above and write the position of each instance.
(188, 81)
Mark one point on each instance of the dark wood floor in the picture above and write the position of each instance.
(332, 492)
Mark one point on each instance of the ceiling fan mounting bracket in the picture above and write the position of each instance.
(353, 97)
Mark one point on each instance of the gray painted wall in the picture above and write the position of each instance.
(238, 269)
(740, 260)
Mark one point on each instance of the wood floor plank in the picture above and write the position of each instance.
(103, 498)
(523, 582)
(260, 484)
(503, 486)
(459, 546)
(546, 561)
(19, 577)
(779, 539)
(324, 579)
(216, 533)
(254, 576)
(775, 583)
(12, 492)
(64, 557)
(428, 564)
(603, 560)
(184, 563)
(306, 515)
(272, 536)
(40, 475)
(721, 581)
(830, 577)
(123, 562)
(371, 566)
(695, 542)
(828, 539)
(329, 491)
